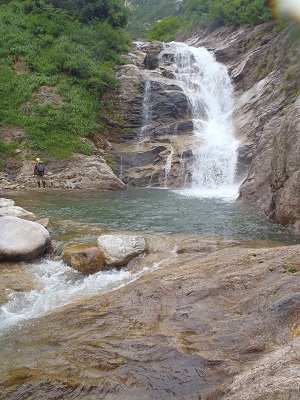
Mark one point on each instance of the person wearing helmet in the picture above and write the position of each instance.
(39, 172)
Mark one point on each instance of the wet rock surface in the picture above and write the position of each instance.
(211, 320)
(157, 118)
(84, 258)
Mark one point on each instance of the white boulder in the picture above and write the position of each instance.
(21, 240)
(15, 211)
(118, 250)
(6, 202)
(8, 207)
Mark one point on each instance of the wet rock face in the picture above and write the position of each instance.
(212, 322)
(271, 123)
(159, 120)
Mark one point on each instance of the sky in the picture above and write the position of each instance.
(289, 7)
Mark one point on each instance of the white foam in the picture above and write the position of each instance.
(59, 285)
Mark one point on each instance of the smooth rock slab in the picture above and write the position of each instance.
(21, 240)
(83, 257)
(118, 250)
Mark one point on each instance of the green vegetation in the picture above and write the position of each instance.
(65, 46)
(212, 14)
(165, 30)
(146, 13)
(290, 270)
(6, 149)
(216, 13)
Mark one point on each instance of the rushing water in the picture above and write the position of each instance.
(208, 88)
(58, 285)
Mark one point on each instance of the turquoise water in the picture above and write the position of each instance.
(156, 210)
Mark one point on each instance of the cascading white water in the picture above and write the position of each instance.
(146, 110)
(168, 165)
(210, 94)
(59, 285)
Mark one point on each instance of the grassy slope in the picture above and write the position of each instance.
(57, 51)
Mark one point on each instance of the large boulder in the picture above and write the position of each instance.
(16, 211)
(6, 202)
(7, 207)
(85, 172)
(21, 240)
(83, 257)
(118, 250)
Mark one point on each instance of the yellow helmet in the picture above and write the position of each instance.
(37, 160)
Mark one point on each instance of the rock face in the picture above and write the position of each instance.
(156, 136)
(83, 257)
(118, 250)
(21, 240)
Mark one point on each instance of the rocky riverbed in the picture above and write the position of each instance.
(209, 318)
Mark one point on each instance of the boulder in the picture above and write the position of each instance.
(118, 250)
(83, 257)
(84, 172)
(6, 202)
(21, 240)
(7, 207)
(15, 211)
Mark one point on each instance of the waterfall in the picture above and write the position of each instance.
(146, 110)
(210, 94)
(168, 165)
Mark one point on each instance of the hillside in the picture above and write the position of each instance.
(145, 14)
(164, 19)
(56, 59)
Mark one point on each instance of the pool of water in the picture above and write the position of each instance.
(157, 210)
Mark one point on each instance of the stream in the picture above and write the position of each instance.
(68, 336)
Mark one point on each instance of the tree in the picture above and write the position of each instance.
(165, 29)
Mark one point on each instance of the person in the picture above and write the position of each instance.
(39, 171)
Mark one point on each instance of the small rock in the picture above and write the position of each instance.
(15, 211)
(84, 258)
